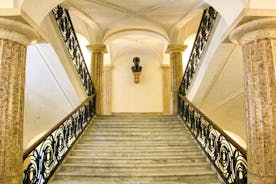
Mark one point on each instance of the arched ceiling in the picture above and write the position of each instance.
(111, 17)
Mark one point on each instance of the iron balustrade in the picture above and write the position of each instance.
(42, 159)
(228, 157)
(68, 34)
(204, 31)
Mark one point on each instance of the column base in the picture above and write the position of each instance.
(257, 179)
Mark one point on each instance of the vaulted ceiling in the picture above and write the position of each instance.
(109, 17)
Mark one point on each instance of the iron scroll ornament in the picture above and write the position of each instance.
(68, 34)
(227, 156)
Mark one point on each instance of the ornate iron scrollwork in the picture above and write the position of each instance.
(69, 36)
(225, 155)
(207, 22)
(41, 162)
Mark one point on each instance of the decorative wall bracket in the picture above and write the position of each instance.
(136, 69)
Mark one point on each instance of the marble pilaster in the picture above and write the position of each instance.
(175, 51)
(97, 68)
(166, 89)
(258, 40)
(107, 91)
(14, 37)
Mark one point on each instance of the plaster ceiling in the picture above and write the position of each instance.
(107, 17)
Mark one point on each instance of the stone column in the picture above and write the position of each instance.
(175, 52)
(107, 92)
(258, 40)
(97, 73)
(14, 37)
(166, 89)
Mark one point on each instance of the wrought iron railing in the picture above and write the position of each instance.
(69, 36)
(42, 159)
(207, 22)
(228, 157)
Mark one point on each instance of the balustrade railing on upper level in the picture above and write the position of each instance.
(228, 157)
(69, 36)
(207, 22)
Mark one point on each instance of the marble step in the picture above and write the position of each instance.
(136, 139)
(130, 180)
(97, 146)
(134, 162)
(104, 173)
(156, 118)
(135, 151)
(137, 125)
(137, 142)
(142, 164)
(140, 122)
(133, 154)
(141, 133)
(134, 169)
(137, 157)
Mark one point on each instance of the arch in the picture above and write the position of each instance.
(135, 31)
(226, 13)
(38, 14)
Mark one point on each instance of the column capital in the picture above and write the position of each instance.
(18, 31)
(99, 48)
(175, 48)
(253, 30)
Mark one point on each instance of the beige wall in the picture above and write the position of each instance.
(49, 94)
(145, 96)
(224, 100)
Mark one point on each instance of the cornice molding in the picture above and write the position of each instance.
(253, 30)
(17, 31)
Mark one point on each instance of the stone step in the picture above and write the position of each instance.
(133, 180)
(154, 117)
(137, 157)
(148, 147)
(134, 162)
(132, 169)
(135, 151)
(141, 133)
(157, 125)
(133, 154)
(103, 173)
(140, 122)
(137, 139)
(142, 164)
(138, 142)
(136, 129)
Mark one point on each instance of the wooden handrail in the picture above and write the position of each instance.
(31, 148)
(222, 132)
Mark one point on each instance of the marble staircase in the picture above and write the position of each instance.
(136, 150)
